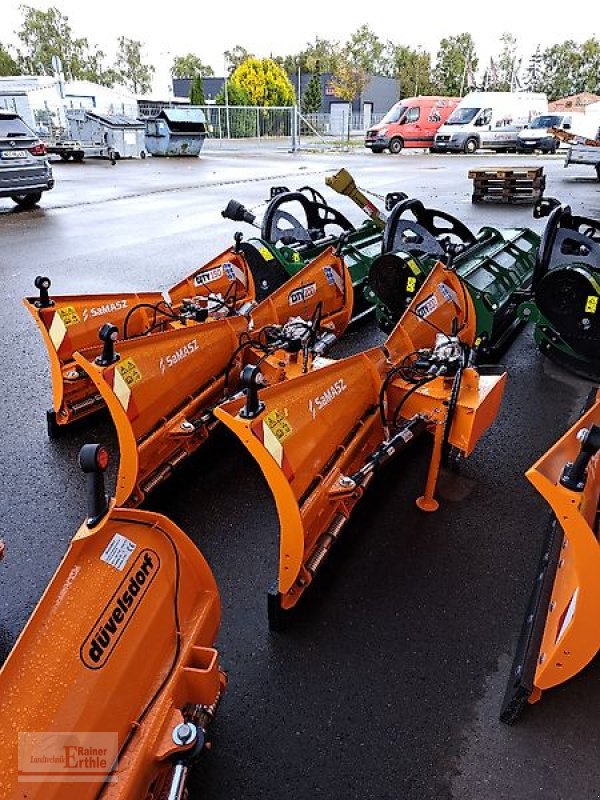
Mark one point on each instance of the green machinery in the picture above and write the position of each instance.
(296, 227)
(564, 301)
(392, 252)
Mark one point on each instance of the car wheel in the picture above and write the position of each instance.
(378, 149)
(598, 171)
(65, 156)
(78, 157)
(143, 154)
(396, 145)
(470, 146)
(26, 200)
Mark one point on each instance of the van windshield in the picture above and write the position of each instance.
(394, 114)
(546, 121)
(462, 116)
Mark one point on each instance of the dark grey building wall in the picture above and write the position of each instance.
(381, 92)
(212, 87)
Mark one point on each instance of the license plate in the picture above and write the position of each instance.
(14, 154)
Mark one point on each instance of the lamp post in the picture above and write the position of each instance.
(227, 124)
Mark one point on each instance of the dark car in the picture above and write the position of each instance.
(24, 169)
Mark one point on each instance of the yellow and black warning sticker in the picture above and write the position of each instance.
(591, 304)
(266, 253)
(412, 265)
(129, 371)
(68, 315)
(278, 425)
(295, 257)
(411, 284)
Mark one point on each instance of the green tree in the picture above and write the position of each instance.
(455, 65)
(263, 83)
(235, 57)
(561, 69)
(313, 95)
(589, 76)
(412, 68)
(131, 69)
(189, 66)
(8, 65)
(365, 50)
(348, 83)
(502, 74)
(44, 34)
(236, 96)
(533, 72)
(197, 92)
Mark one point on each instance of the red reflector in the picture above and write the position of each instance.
(38, 149)
(102, 458)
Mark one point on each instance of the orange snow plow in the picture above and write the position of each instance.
(111, 686)
(320, 438)
(161, 390)
(70, 323)
(560, 633)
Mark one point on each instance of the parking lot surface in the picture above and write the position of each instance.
(389, 681)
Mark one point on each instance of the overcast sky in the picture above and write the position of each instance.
(264, 27)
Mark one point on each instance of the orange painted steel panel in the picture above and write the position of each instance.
(162, 385)
(72, 322)
(571, 639)
(120, 642)
(318, 430)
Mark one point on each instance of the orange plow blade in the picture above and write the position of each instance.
(320, 438)
(161, 390)
(560, 633)
(115, 661)
(70, 323)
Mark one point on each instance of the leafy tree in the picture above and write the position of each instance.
(130, 67)
(589, 76)
(455, 65)
(235, 57)
(501, 76)
(8, 65)
(197, 91)
(320, 56)
(348, 83)
(365, 50)
(263, 82)
(236, 95)
(189, 66)
(44, 34)
(313, 95)
(533, 72)
(561, 70)
(412, 68)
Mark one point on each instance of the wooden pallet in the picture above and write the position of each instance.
(508, 184)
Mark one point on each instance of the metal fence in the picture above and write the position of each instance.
(261, 123)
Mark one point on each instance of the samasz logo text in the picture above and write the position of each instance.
(328, 396)
(174, 358)
(101, 311)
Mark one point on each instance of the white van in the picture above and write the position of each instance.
(488, 119)
(536, 136)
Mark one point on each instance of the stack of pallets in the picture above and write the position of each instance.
(508, 184)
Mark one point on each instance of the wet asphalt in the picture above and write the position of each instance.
(388, 683)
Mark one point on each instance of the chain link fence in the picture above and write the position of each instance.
(281, 126)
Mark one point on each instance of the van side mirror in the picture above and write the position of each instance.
(567, 126)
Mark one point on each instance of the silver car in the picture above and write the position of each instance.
(24, 169)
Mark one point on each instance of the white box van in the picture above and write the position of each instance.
(536, 136)
(490, 120)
